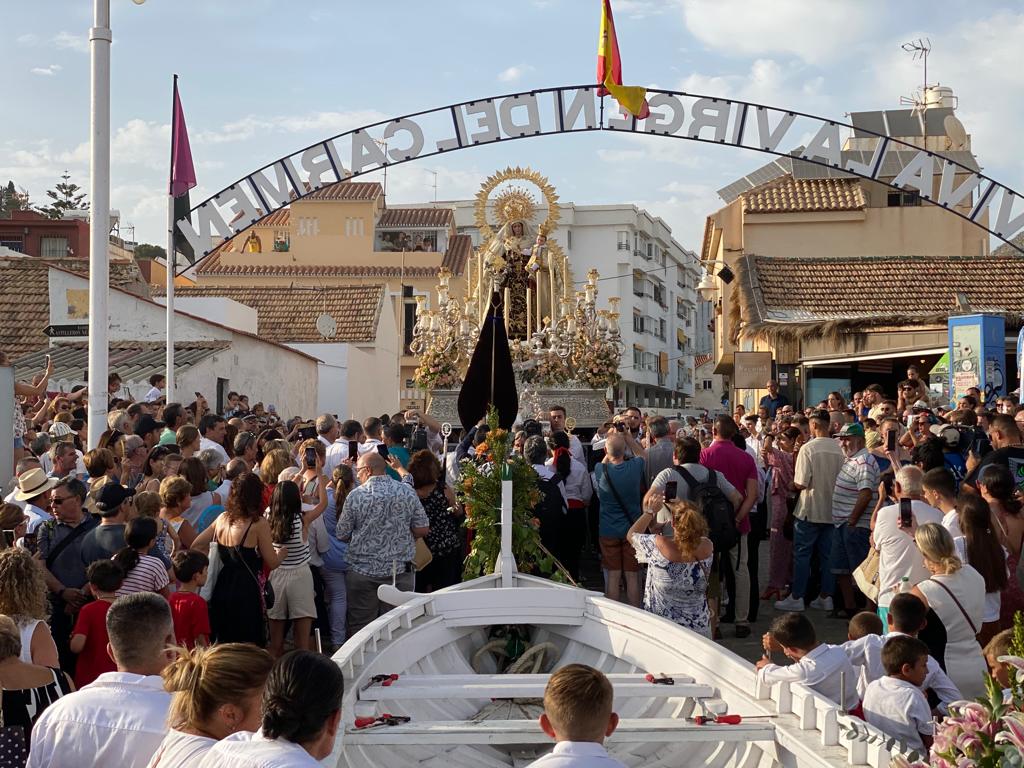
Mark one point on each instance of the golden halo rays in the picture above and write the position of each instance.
(515, 199)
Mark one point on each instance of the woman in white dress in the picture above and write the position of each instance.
(955, 597)
(216, 692)
(301, 718)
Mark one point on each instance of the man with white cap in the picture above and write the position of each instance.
(34, 495)
(62, 434)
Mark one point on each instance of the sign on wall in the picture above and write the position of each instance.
(752, 370)
(961, 190)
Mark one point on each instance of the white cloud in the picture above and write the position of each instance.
(71, 41)
(27, 39)
(314, 122)
(815, 32)
(767, 82)
(639, 9)
(47, 71)
(515, 73)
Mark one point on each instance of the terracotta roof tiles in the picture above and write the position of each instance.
(457, 256)
(288, 315)
(347, 191)
(789, 195)
(876, 290)
(416, 218)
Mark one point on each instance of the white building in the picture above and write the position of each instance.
(210, 357)
(656, 279)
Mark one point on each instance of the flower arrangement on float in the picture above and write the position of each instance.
(598, 367)
(480, 494)
(437, 371)
(550, 370)
(988, 732)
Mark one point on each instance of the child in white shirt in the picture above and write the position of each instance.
(578, 715)
(895, 704)
(1001, 672)
(819, 666)
(906, 618)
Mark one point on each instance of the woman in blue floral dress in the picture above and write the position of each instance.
(678, 566)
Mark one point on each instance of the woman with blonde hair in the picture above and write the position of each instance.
(27, 688)
(678, 566)
(175, 500)
(955, 597)
(216, 691)
(23, 598)
(274, 463)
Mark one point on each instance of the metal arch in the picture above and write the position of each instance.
(737, 127)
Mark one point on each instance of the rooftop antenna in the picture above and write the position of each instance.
(435, 183)
(919, 50)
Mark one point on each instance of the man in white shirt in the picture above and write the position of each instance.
(556, 416)
(351, 432)
(213, 428)
(23, 466)
(940, 491)
(898, 553)
(327, 429)
(121, 718)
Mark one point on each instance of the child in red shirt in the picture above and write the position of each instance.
(191, 617)
(89, 637)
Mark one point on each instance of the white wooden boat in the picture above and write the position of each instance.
(461, 717)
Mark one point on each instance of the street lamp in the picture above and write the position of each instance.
(100, 38)
(707, 287)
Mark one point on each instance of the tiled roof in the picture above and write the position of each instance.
(25, 299)
(701, 359)
(416, 218)
(457, 256)
(874, 290)
(277, 219)
(789, 195)
(288, 315)
(125, 275)
(133, 361)
(347, 190)
(705, 246)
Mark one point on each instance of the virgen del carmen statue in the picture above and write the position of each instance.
(565, 350)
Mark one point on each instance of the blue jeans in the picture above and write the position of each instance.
(806, 538)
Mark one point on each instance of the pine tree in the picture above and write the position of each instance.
(12, 199)
(66, 196)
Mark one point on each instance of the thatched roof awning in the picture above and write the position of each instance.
(802, 298)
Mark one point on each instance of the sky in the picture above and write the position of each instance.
(260, 79)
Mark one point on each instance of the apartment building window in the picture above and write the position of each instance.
(638, 323)
(638, 358)
(53, 247)
(661, 328)
(706, 385)
(623, 241)
(659, 293)
(905, 199)
(638, 283)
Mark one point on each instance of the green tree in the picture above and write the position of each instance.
(66, 196)
(13, 198)
(147, 251)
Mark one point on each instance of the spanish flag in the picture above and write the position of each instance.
(609, 69)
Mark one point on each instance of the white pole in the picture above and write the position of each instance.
(171, 263)
(99, 222)
(506, 560)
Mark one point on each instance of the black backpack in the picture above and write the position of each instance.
(718, 511)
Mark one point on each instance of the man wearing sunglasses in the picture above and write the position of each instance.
(60, 551)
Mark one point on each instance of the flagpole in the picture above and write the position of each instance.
(99, 218)
(171, 260)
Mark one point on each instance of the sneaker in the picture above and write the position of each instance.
(790, 604)
(742, 630)
(822, 603)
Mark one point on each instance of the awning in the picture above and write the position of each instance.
(680, 336)
(884, 356)
(725, 366)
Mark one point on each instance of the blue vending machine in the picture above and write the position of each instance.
(977, 356)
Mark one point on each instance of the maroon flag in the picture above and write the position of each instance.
(183, 174)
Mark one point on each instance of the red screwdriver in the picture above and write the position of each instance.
(719, 719)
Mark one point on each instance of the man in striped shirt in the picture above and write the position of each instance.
(853, 498)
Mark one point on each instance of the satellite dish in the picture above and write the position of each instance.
(326, 326)
(955, 132)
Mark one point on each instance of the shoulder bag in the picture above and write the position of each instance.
(267, 594)
(949, 592)
(865, 575)
(622, 505)
(213, 571)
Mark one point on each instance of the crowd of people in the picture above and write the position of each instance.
(242, 535)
